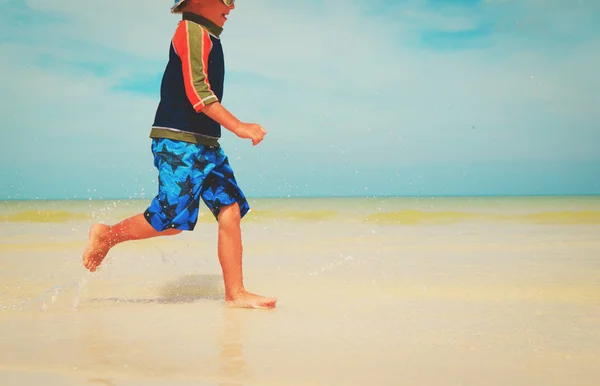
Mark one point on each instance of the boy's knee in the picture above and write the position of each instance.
(230, 215)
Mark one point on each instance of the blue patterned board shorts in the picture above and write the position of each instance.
(186, 172)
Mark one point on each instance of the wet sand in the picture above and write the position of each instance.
(465, 303)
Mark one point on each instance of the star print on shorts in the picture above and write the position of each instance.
(186, 173)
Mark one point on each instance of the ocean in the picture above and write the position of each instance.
(382, 291)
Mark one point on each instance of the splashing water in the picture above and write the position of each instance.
(52, 297)
(53, 293)
(55, 296)
(82, 283)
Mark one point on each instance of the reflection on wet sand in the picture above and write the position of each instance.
(233, 368)
(100, 381)
(180, 342)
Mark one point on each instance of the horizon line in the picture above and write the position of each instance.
(332, 197)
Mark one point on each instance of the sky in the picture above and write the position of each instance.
(358, 97)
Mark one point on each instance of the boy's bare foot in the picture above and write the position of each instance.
(97, 247)
(247, 300)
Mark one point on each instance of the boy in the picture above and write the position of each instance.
(190, 162)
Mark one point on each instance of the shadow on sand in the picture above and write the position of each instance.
(186, 289)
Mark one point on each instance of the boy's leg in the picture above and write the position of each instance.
(174, 209)
(225, 199)
(103, 237)
(230, 256)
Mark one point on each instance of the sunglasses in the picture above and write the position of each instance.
(228, 3)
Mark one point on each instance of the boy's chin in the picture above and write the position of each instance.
(220, 21)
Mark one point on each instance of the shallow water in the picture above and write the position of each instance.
(492, 297)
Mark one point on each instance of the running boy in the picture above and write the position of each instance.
(190, 162)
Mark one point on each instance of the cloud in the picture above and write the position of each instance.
(359, 87)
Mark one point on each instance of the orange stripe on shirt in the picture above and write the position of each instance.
(192, 43)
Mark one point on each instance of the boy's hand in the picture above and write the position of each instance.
(252, 131)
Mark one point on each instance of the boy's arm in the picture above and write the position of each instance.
(219, 113)
(193, 46)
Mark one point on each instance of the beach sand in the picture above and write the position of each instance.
(428, 291)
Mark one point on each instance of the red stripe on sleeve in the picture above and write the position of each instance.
(181, 43)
